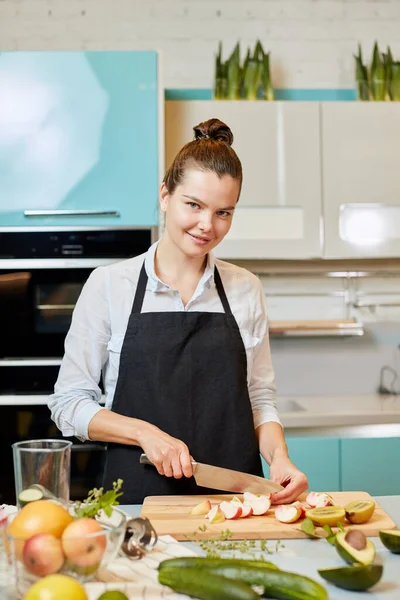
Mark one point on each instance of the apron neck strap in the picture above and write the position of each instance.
(141, 290)
(221, 292)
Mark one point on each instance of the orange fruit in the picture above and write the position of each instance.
(43, 516)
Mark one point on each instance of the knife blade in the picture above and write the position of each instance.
(227, 480)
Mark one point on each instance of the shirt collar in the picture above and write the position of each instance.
(155, 284)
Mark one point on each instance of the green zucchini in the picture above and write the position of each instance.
(201, 562)
(204, 585)
(277, 584)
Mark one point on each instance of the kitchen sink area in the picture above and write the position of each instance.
(286, 405)
(340, 411)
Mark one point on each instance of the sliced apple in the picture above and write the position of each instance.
(319, 499)
(247, 511)
(287, 513)
(259, 503)
(324, 500)
(236, 500)
(231, 510)
(216, 515)
(201, 509)
(301, 507)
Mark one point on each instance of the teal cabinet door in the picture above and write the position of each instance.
(371, 465)
(79, 141)
(318, 458)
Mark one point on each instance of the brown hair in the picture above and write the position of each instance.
(209, 151)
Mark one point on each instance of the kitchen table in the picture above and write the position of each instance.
(306, 556)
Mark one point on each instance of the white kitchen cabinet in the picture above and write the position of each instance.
(279, 211)
(361, 179)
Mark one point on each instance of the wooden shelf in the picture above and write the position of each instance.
(329, 328)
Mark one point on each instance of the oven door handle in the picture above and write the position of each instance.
(71, 213)
(30, 362)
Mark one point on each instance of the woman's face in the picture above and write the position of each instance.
(199, 212)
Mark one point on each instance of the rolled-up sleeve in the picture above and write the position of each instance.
(77, 393)
(262, 389)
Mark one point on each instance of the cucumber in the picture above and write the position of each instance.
(277, 584)
(200, 562)
(205, 586)
(31, 494)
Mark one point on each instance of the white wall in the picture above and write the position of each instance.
(312, 41)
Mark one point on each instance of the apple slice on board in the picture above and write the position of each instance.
(287, 513)
(216, 515)
(319, 499)
(260, 504)
(201, 509)
(231, 510)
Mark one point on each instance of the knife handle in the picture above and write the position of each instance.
(145, 461)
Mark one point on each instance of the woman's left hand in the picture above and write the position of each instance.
(283, 471)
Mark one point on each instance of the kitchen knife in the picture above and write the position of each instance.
(227, 479)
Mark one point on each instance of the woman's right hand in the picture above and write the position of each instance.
(170, 456)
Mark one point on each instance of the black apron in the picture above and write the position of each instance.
(186, 373)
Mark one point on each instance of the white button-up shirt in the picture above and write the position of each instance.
(94, 341)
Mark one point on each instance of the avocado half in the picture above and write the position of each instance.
(390, 538)
(355, 578)
(350, 554)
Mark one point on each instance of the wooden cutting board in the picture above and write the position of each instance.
(170, 515)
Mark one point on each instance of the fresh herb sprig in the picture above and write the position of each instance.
(216, 546)
(309, 528)
(99, 500)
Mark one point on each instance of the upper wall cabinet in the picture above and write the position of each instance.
(279, 211)
(79, 138)
(361, 179)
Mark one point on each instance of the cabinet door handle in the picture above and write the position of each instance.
(71, 213)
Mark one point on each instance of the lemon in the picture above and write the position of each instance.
(56, 587)
(113, 595)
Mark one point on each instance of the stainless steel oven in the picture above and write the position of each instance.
(42, 273)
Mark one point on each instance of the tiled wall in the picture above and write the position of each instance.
(312, 41)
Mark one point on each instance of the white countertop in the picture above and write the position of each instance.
(305, 556)
(337, 411)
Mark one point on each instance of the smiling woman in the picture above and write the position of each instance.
(194, 374)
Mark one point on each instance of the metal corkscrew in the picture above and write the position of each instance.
(140, 537)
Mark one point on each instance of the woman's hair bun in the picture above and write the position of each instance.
(213, 129)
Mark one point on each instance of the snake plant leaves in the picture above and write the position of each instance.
(377, 76)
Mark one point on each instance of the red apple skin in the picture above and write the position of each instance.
(80, 546)
(42, 554)
(231, 510)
